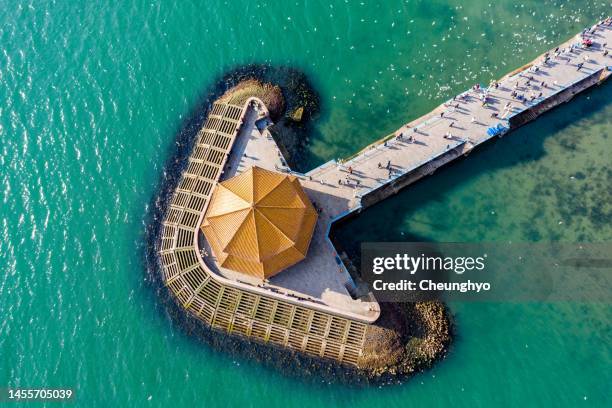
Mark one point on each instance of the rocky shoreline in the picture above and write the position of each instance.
(405, 340)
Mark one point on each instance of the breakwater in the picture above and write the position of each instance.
(415, 150)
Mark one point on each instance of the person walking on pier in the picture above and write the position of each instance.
(388, 164)
(580, 64)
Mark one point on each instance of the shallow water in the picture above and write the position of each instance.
(94, 95)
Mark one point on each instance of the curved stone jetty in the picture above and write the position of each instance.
(314, 307)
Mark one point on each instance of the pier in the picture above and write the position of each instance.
(313, 306)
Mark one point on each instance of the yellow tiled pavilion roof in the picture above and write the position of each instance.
(259, 222)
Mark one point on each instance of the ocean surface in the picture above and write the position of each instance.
(93, 95)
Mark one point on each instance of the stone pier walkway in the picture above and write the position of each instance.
(460, 124)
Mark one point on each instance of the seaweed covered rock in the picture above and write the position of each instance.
(297, 114)
(291, 101)
(407, 338)
(270, 95)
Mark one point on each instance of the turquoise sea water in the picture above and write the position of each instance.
(93, 95)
